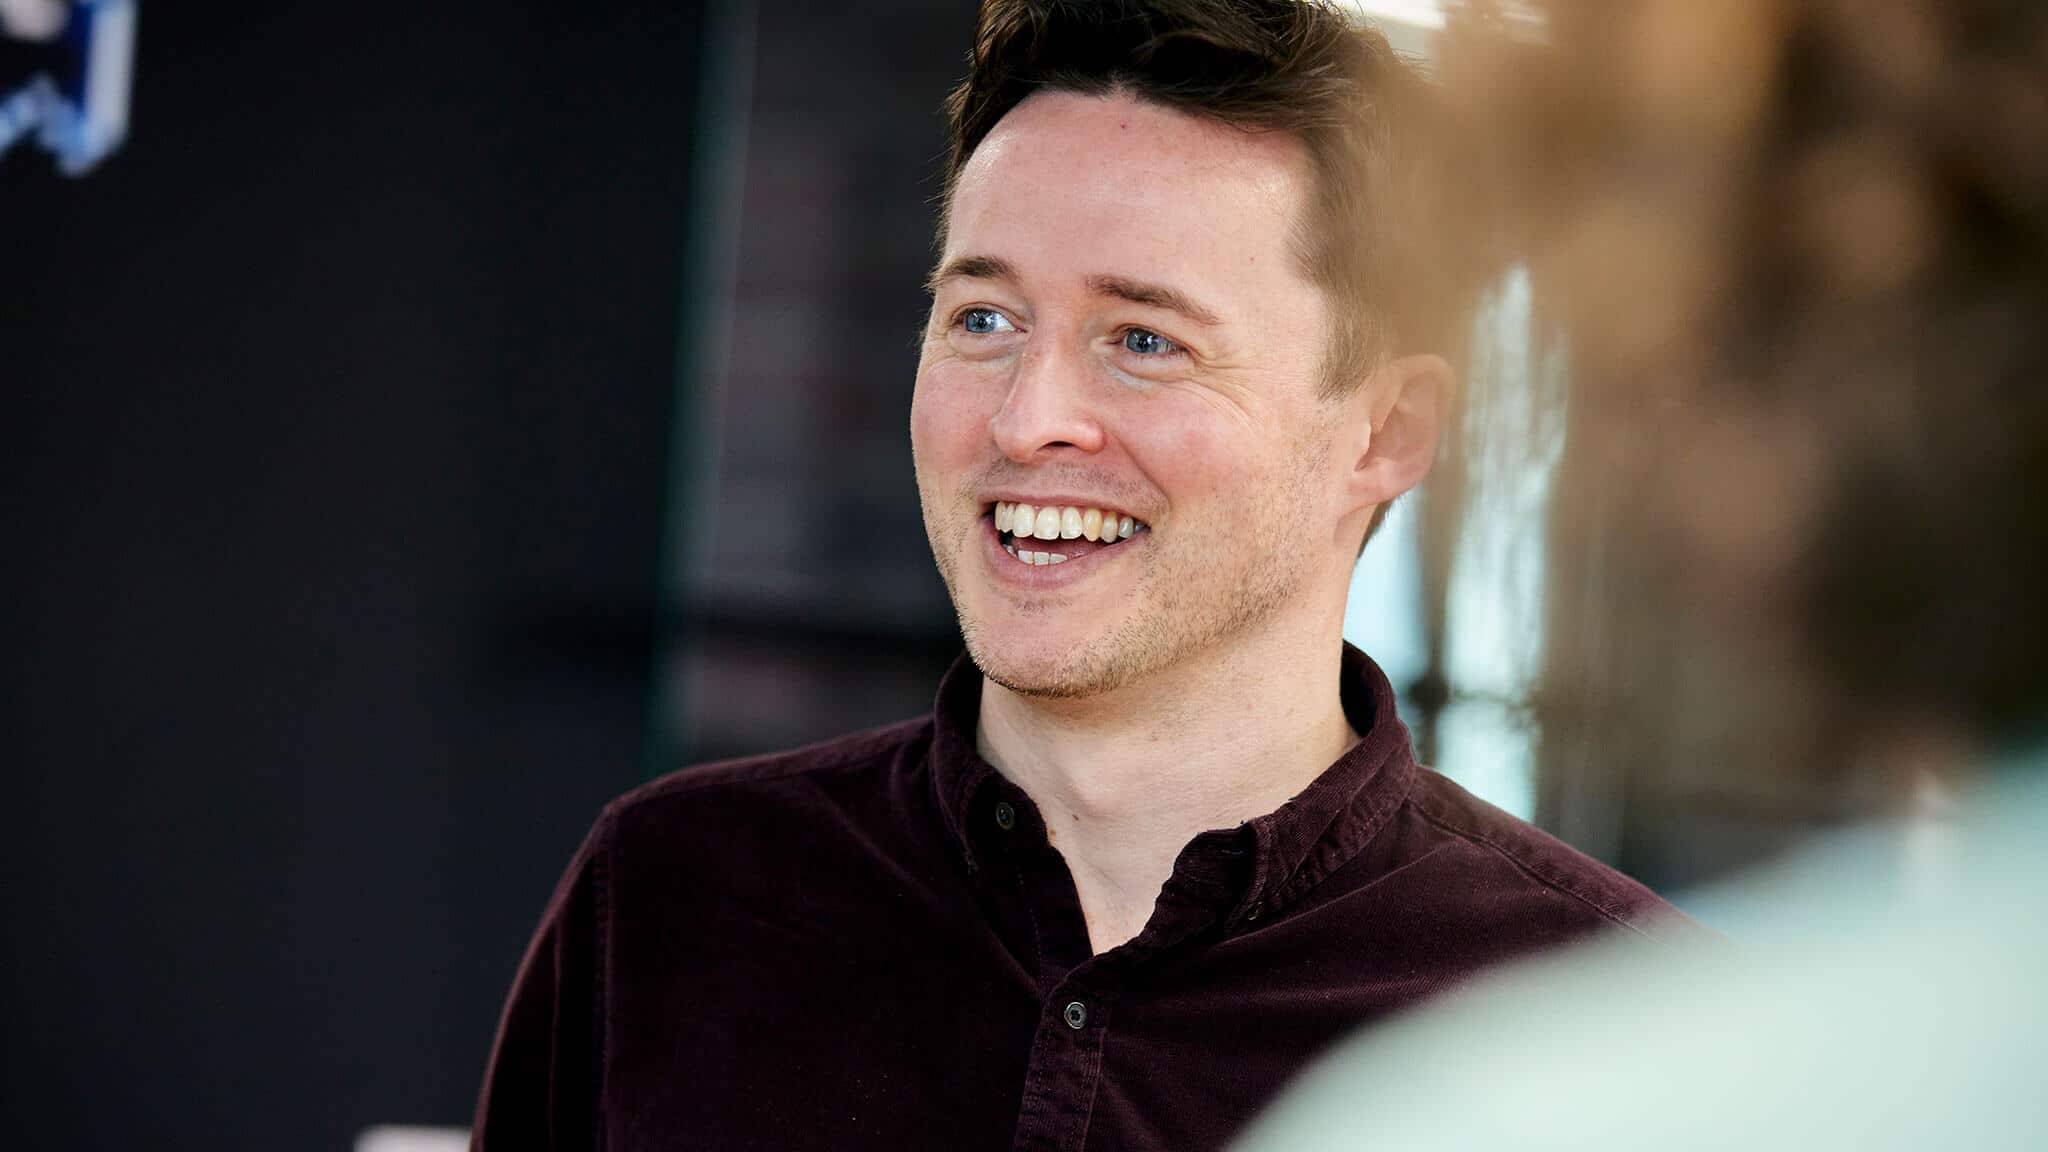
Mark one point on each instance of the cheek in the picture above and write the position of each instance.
(949, 419)
(1189, 448)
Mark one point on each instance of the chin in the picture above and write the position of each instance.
(1048, 667)
(1038, 680)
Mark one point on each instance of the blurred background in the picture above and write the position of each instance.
(425, 426)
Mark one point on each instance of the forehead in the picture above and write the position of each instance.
(1073, 183)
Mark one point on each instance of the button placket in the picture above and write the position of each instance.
(1065, 1072)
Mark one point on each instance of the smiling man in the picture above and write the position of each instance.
(1162, 838)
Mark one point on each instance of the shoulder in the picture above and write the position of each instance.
(827, 781)
(855, 752)
(1518, 849)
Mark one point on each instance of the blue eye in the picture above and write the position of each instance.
(985, 321)
(1148, 343)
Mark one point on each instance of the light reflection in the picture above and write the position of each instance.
(1512, 439)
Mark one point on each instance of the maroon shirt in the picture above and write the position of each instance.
(870, 944)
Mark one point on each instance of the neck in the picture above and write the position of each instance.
(1126, 778)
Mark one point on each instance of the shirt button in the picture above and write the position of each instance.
(1252, 914)
(1006, 816)
(1077, 1015)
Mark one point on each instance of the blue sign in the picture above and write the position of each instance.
(73, 100)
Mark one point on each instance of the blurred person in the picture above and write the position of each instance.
(1854, 325)
(1162, 837)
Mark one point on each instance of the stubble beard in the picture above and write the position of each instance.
(1191, 595)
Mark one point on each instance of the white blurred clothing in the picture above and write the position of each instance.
(1873, 995)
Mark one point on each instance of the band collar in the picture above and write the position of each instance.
(1292, 848)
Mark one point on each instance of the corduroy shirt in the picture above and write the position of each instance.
(871, 944)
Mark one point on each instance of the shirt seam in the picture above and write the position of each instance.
(1030, 917)
(952, 809)
(1100, 1069)
(1345, 841)
(695, 778)
(1530, 870)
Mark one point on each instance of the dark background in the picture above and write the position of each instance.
(335, 416)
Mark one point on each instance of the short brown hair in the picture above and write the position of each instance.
(1298, 66)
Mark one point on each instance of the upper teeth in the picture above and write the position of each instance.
(1068, 523)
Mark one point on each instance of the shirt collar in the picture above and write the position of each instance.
(1292, 848)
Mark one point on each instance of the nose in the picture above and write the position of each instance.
(1047, 411)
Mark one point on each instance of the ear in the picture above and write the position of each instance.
(1403, 407)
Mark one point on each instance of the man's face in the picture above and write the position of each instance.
(1120, 323)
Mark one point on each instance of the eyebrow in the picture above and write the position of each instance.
(971, 268)
(1118, 287)
(1153, 296)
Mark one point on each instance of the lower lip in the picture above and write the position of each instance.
(1011, 570)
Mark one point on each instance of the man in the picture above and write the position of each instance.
(1163, 839)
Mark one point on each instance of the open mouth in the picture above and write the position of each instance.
(1050, 534)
